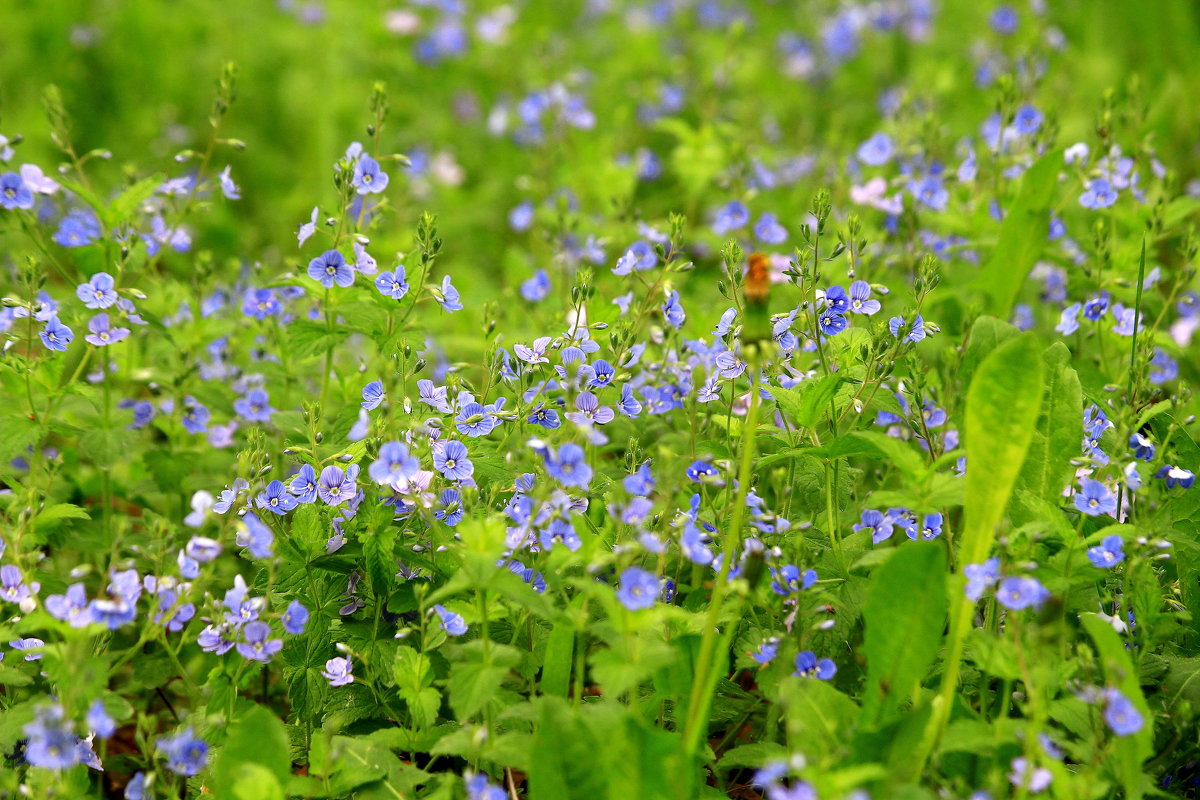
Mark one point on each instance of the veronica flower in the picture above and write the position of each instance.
(330, 268)
(449, 621)
(392, 283)
(433, 396)
(1108, 553)
(373, 395)
(394, 465)
(55, 335)
(276, 499)
(534, 354)
(185, 752)
(590, 411)
(368, 177)
(638, 589)
(334, 486)
(448, 296)
(569, 466)
(257, 644)
(809, 666)
(98, 292)
(860, 299)
(545, 417)
(101, 333)
(451, 460)
(255, 406)
(536, 288)
(304, 485)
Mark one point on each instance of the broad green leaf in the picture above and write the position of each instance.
(564, 750)
(1003, 402)
(256, 738)
(808, 403)
(1022, 236)
(904, 616)
(986, 334)
(1047, 466)
(556, 668)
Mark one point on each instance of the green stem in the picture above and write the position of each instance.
(706, 676)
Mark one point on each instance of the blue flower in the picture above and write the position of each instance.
(874, 521)
(1142, 447)
(916, 334)
(338, 671)
(639, 589)
(98, 292)
(932, 528)
(809, 666)
(545, 417)
(930, 192)
(101, 333)
(14, 192)
(335, 486)
(1108, 553)
(520, 218)
(1176, 477)
(295, 618)
(1017, 593)
(788, 580)
(569, 466)
(368, 177)
(673, 311)
(474, 420)
(276, 499)
(449, 507)
(331, 268)
(730, 217)
(1121, 714)
(78, 228)
(450, 622)
(451, 460)
(876, 151)
(392, 284)
(1099, 194)
(257, 644)
(768, 229)
(478, 788)
(1004, 20)
(185, 752)
(1027, 120)
(448, 297)
(767, 651)
(559, 531)
(253, 535)
(98, 721)
(980, 577)
(50, 742)
(373, 395)
(860, 299)
(1094, 498)
(255, 406)
(304, 485)
(831, 322)
(536, 288)
(55, 335)
(394, 465)
(1096, 307)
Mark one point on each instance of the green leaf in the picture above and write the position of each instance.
(563, 755)
(809, 401)
(899, 454)
(475, 681)
(556, 667)
(1002, 409)
(1130, 752)
(258, 739)
(904, 616)
(1047, 467)
(127, 203)
(1022, 236)
(986, 334)
(254, 782)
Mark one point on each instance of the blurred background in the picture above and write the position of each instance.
(693, 91)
